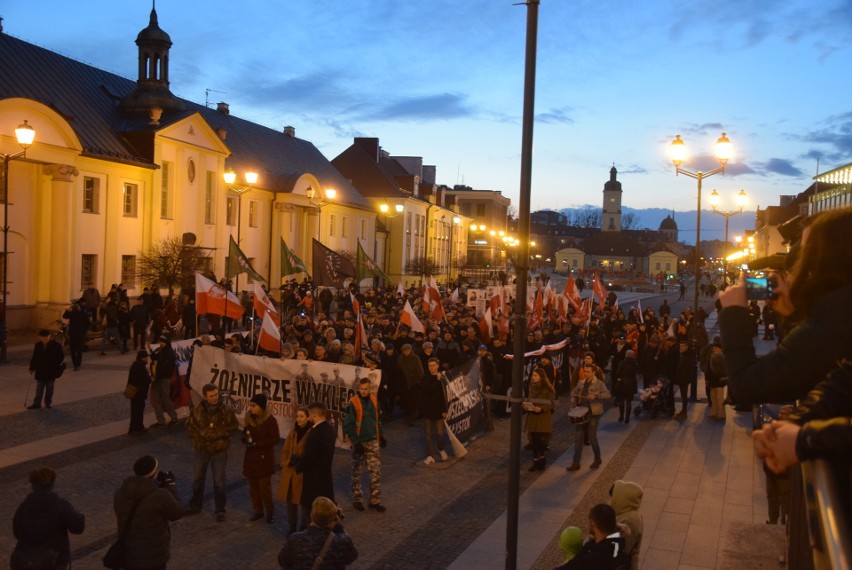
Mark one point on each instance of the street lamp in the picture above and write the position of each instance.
(25, 135)
(230, 178)
(714, 202)
(385, 209)
(318, 202)
(678, 155)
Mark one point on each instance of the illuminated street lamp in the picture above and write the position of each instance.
(25, 135)
(714, 202)
(678, 155)
(385, 210)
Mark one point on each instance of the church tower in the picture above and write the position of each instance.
(611, 215)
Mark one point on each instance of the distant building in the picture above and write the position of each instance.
(487, 214)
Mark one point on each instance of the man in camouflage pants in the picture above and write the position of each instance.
(362, 428)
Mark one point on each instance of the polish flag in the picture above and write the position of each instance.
(270, 336)
(599, 290)
(399, 290)
(263, 305)
(454, 296)
(356, 305)
(213, 299)
(639, 305)
(486, 326)
(407, 317)
(571, 293)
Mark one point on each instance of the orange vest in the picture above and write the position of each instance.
(359, 412)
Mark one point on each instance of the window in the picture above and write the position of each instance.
(253, 206)
(332, 220)
(574, 262)
(344, 230)
(88, 270)
(209, 197)
(363, 228)
(465, 210)
(128, 271)
(668, 266)
(480, 209)
(165, 191)
(130, 202)
(658, 266)
(231, 211)
(91, 194)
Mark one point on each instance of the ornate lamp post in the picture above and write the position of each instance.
(678, 155)
(25, 135)
(714, 202)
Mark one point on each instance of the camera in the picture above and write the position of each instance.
(165, 478)
(760, 287)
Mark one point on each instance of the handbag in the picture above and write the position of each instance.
(114, 557)
(130, 391)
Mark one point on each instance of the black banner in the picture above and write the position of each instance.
(330, 269)
(465, 412)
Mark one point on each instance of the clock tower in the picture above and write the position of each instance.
(611, 214)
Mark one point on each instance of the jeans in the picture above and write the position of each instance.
(436, 426)
(162, 400)
(217, 461)
(44, 388)
(590, 427)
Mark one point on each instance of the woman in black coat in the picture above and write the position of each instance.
(141, 380)
(624, 385)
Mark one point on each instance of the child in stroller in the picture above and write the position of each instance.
(653, 398)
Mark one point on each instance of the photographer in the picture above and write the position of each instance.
(817, 295)
(147, 537)
(324, 544)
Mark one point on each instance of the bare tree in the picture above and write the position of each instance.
(172, 262)
(585, 217)
(629, 221)
(422, 266)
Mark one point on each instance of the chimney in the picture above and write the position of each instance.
(223, 133)
(290, 131)
(370, 144)
(223, 108)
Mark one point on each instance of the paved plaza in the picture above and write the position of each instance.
(704, 504)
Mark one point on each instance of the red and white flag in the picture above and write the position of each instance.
(213, 299)
(356, 305)
(407, 317)
(454, 296)
(571, 293)
(486, 326)
(599, 291)
(263, 305)
(360, 335)
(269, 338)
(639, 306)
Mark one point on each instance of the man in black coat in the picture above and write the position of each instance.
(42, 523)
(46, 365)
(315, 463)
(165, 369)
(78, 326)
(140, 378)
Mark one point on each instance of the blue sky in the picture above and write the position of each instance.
(443, 79)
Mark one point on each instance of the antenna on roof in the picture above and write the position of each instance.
(207, 93)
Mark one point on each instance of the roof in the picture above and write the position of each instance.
(88, 98)
(668, 223)
(621, 244)
(369, 176)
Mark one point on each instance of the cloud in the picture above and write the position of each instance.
(703, 130)
(781, 166)
(432, 107)
(837, 135)
(706, 163)
(555, 116)
(633, 169)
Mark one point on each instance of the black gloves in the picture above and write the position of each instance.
(166, 478)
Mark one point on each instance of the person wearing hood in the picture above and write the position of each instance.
(210, 425)
(41, 525)
(571, 542)
(151, 497)
(260, 435)
(626, 500)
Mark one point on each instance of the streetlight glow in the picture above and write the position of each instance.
(230, 176)
(330, 193)
(25, 134)
(677, 151)
(383, 208)
(251, 177)
(724, 149)
(399, 208)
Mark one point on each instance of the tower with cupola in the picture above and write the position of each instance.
(611, 213)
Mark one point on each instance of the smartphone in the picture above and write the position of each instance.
(759, 288)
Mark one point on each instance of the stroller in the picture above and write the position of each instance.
(654, 398)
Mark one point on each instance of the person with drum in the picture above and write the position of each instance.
(539, 415)
(587, 400)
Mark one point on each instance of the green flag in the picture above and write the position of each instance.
(239, 263)
(290, 264)
(366, 267)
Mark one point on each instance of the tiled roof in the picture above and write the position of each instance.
(371, 178)
(88, 98)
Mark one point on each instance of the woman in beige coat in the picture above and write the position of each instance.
(290, 484)
(539, 415)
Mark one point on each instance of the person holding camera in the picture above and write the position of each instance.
(816, 296)
(210, 425)
(324, 544)
(260, 436)
(362, 428)
(144, 505)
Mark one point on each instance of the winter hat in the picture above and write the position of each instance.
(570, 542)
(261, 400)
(145, 466)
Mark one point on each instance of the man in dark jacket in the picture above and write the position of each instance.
(163, 372)
(433, 408)
(140, 316)
(210, 425)
(302, 549)
(316, 461)
(361, 425)
(140, 378)
(78, 327)
(46, 366)
(605, 551)
(147, 538)
(42, 523)
(686, 374)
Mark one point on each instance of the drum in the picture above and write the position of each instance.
(579, 414)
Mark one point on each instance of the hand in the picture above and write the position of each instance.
(783, 446)
(782, 303)
(383, 442)
(734, 295)
(444, 416)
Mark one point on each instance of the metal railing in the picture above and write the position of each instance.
(828, 512)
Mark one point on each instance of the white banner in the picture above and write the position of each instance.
(289, 384)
